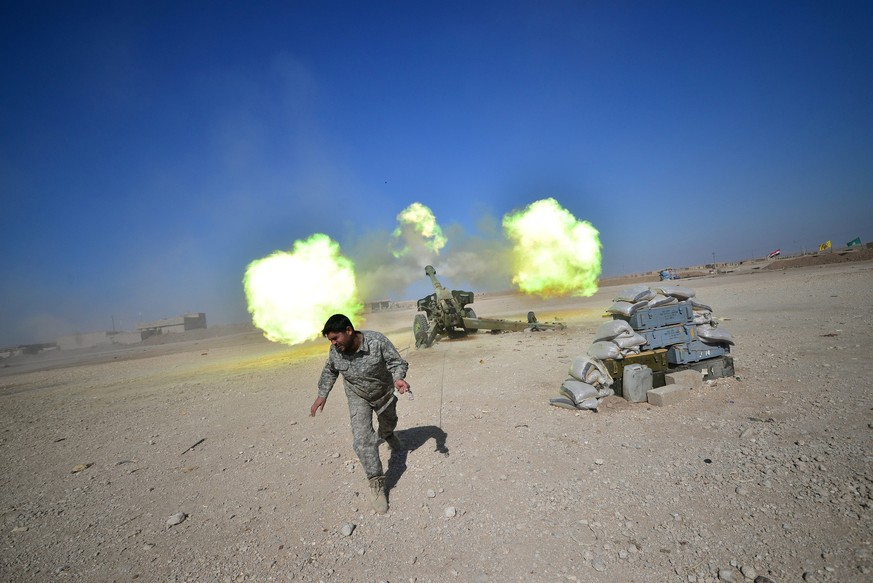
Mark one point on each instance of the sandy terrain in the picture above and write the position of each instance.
(766, 474)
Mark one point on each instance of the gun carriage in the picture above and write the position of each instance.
(446, 313)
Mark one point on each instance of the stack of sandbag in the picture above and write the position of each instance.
(615, 339)
(690, 332)
(630, 300)
(686, 340)
(588, 384)
(640, 297)
(672, 293)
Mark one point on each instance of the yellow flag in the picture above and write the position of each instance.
(825, 245)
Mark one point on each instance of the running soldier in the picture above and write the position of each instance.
(372, 369)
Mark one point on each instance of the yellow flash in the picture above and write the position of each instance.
(291, 295)
(553, 252)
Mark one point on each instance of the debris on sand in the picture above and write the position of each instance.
(175, 519)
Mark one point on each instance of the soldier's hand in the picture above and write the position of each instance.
(318, 405)
(401, 385)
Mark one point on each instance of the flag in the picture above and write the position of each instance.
(854, 242)
(825, 245)
(774, 253)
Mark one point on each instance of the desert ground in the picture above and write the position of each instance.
(766, 474)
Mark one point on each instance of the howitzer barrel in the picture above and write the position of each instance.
(508, 325)
(441, 292)
(431, 273)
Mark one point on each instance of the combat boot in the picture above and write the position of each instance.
(377, 494)
(394, 443)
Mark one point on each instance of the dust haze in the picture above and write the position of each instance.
(479, 261)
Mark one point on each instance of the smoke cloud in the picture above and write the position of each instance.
(480, 261)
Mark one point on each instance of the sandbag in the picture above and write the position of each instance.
(611, 329)
(712, 335)
(635, 294)
(589, 370)
(563, 403)
(630, 341)
(702, 317)
(577, 390)
(591, 403)
(661, 300)
(581, 367)
(604, 349)
(695, 305)
(679, 292)
(626, 308)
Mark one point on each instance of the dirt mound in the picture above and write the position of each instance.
(648, 278)
(823, 258)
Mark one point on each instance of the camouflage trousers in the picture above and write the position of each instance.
(365, 439)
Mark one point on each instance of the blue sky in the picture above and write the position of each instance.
(150, 150)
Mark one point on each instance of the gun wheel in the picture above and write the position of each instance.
(469, 313)
(420, 330)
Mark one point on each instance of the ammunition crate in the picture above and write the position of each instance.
(667, 336)
(712, 368)
(693, 351)
(649, 318)
(654, 359)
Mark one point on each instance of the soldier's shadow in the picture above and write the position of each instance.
(413, 438)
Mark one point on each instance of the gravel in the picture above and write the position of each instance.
(764, 476)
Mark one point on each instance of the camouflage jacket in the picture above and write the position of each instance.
(369, 373)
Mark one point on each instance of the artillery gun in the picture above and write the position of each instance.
(446, 313)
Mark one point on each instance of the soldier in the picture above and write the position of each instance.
(372, 369)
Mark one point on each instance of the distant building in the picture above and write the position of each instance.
(168, 325)
(27, 349)
(172, 325)
(10, 351)
(377, 306)
(89, 339)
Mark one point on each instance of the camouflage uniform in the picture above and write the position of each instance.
(368, 379)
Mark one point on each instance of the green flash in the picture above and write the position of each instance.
(417, 226)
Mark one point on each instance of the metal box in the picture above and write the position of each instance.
(712, 368)
(667, 336)
(650, 318)
(693, 351)
(654, 359)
